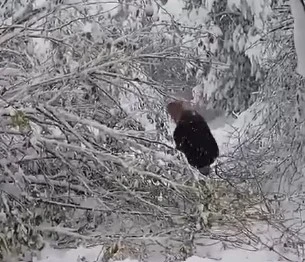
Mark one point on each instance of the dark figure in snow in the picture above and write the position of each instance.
(193, 137)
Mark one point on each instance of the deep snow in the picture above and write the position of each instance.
(209, 253)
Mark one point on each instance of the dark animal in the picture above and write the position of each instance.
(193, 136)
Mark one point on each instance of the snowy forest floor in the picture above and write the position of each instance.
(91, 254)
(207, 250)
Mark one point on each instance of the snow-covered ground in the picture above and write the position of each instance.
(92, 254)
(208, 253)
(225, 129)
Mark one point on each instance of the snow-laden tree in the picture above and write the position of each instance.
(86, 152)
(277, 130)
(235, 28)
(298, 13)
(270, 154)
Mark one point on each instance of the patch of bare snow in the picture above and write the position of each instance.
(227, 133)
(92, 255)
(39, 4)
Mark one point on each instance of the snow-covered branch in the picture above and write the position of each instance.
(298, 12)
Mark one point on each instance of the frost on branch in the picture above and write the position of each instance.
(298, 13)
(232, 74)
(77, 156)
(270, 150)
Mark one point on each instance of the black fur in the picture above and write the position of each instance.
(193, 137)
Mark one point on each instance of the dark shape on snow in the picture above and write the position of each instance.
(193, 137)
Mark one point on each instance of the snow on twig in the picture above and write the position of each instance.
(298, 12)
